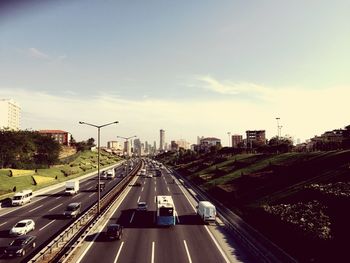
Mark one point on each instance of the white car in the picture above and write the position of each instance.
(22, 227)
(141, 206)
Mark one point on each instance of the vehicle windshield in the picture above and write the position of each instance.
(20, 225)
(70, 188)
(71, 208)
(164, 211)
(17, 197)
(17, 242)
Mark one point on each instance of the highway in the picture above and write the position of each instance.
(143, 241)
(46, 210)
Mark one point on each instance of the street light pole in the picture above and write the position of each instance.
(98, 159)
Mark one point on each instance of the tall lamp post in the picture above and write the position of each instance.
(127, 160)
(98, 158)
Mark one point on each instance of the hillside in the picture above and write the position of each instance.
(298, 200)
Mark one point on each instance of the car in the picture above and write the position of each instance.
(22, 227)
(20, 246)
(103, 175)
(114, 231)
(141, 206)
(137, 184)
(72, 210)
(102, 186)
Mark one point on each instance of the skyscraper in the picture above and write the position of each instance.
(10, 114)
(162, 140)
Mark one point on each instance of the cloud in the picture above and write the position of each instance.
(231, 88)
(35, 53)
(303, 112)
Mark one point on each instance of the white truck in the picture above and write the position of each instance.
(72, 187)
(111, 173)
(22, 197)
(206, 211)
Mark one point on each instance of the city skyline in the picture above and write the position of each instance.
(193, 69)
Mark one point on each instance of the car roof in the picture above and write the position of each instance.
(141, 203)
(113, 225)
(25, 221)
(74, 204)
(25, 237)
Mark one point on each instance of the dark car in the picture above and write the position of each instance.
(114, 231)
(72, 210)
(102, 186)
(20, 246)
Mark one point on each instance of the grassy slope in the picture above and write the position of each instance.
(24, 182)
(247, 182)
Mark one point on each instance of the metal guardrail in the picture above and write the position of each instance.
(262, 248)
(61, 245)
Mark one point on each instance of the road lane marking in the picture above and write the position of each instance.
(168, 188)
(152, 257)
(187, 252)
(92, 194)
(155, 182)
(155, 189)
(35, 208)
(75, 196)
(89, 188)
(138, 199)
(142, 189)
(47, 225)
(55, 207)
(3, 224)
(119, 250)
(132, 217)
(177, 217)
(58, 197)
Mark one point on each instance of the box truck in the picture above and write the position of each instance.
(206, 211)
(72, 187)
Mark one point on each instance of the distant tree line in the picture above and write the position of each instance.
(27, 150)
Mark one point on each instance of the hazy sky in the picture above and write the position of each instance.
(191, 67)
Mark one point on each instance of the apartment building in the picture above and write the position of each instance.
(10, 115)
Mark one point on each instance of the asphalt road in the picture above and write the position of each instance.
(46, 210)
(143, 241)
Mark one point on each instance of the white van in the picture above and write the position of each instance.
(22, 197)
(206, 211)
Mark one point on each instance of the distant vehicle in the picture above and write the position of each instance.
(102, 186)
(149, 175)
(72, 187)
(72, 210)
(165, 214)
(158, 173)
(22, 227)
(114, 231)
(141, 206)
(22, 197)
(103, 175)
(206, 211)
(20, 246)
(137, 184)
(143, 172)
(110, 174)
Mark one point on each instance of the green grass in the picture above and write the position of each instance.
(26, 182)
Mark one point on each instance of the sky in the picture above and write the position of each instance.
(190, 67)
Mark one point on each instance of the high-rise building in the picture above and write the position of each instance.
(127, 148)
(162, 140)
(10, 114)
(137, 147)
(114, 145)
(256, 137)
(237, 140)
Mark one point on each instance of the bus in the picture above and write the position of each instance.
(165, 215)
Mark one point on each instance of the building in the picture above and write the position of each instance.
(10, 115)
(162, 140)
(255, 138)
(207, 143)
(62, 137)
(127, 148)
(114, 145)
(237, 141)
(177, 144)
(137, 147)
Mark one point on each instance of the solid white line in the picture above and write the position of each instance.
(120, 249)
(55, 207)
(138, 199)
(35, 208)
(217, 245)
(92, 194)
(58, 197)
(132, 217)
(3, 224)
(188, 253)
(75, 196)
(152, 257)
(142, 189)
(47, 225)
